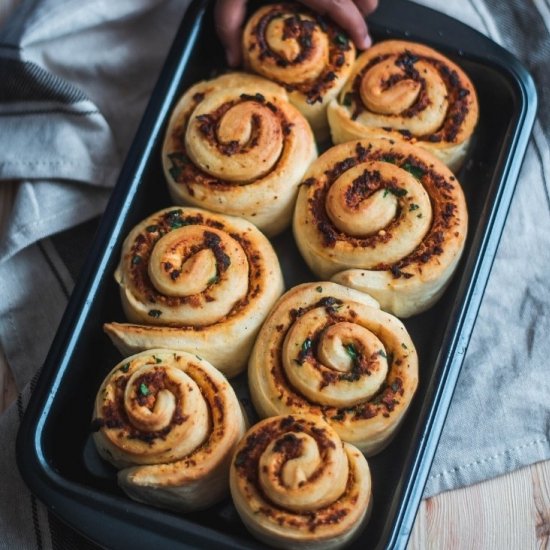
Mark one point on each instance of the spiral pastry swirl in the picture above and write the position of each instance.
(235, 145)
(308, 55)
(170, 422)
(198, 282)
(329, 350)
(407, 91)
(391, 213)
(295, 485)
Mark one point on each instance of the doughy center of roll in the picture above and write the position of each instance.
(157, 397)
(381, 198)
(380, 95)
(174, 275)
(300, 43)
(339, 364)
(197, 260)
(404, 92)
(341, 346)
(358, 203)
(295, 474)
(241, 145)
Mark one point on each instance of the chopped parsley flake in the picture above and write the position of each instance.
(348, 98)
(340, 40)
(351, 351)
(416, 171)
(397, 191)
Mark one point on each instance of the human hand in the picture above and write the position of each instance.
(349, 14)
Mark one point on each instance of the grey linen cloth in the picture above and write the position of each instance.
(80, 75)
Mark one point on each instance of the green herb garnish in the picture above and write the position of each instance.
(156, 313)
(174, 219)
(416, 171)
(175, 172)
(152, 228)
(306, 349)
(348, 98)
(178, 157)
(352, 352)
(144, 390)
(382, 353)
(319, 289)
(340, 40)
(397, 191)
(413, 207)
(136, 260)
(390, 159)
(125, 367)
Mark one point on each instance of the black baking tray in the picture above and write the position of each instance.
(54, 450)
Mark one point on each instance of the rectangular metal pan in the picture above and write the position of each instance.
(55, 454)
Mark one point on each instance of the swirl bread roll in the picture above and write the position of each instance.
(407, 91)
(295, 485)
(390, 212)
(195, 281)
(308, 55)
(170, 422)
(329, 350)
(235, 145)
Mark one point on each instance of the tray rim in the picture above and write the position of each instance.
(58, 493)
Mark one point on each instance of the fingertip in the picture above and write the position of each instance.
(362, 39)
(366, 42)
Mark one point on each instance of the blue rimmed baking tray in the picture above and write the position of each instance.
(54, 450)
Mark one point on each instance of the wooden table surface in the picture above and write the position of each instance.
(511, 511)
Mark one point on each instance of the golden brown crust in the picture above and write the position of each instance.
(390, 212)
(302, 51)
(329, 350)
(198, 282)
(169, 421)
(295, 485)
(407, 91)
(235, 145)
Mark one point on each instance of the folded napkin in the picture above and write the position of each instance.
(74, 80)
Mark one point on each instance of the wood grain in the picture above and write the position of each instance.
(510, 511)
